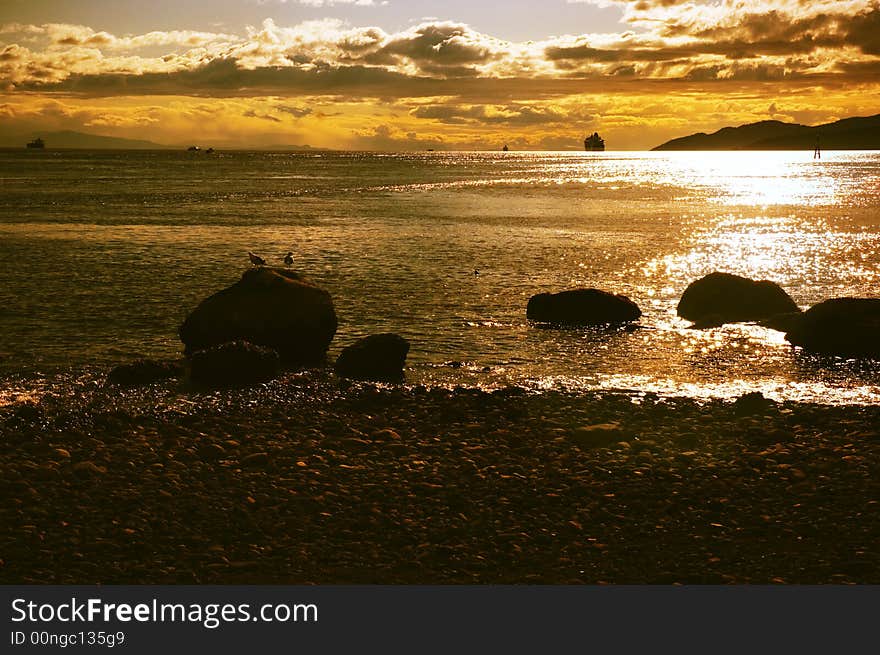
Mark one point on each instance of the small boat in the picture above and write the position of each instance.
(193, 149)
(37, 143)
(209, 151)
(594, 143)
(505, 148)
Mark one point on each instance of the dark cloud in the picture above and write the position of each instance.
(224, 77)
(806, 40)
(864, 31)
(13, 52)
(440, 44)
(296, 112)
(251, 113)
(364, 41)
(452, 60)
(512, 115)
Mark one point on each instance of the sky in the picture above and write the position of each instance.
(417, 74)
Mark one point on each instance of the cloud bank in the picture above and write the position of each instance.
(445, 74)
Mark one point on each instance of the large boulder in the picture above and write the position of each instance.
(782, 322)
(378, 357)
(848, 327)
(720, 298)
(582, 307)
(270, 307)
(235, 363)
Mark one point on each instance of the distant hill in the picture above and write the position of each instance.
(847, 134)
(286, 146)
(70, 139)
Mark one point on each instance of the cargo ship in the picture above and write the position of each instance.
(594, 143)
(36, 143)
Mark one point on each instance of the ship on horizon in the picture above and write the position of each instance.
(37, 143)
(594, 143)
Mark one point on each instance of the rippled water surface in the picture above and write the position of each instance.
(102, 254)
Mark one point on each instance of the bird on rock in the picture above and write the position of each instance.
(256, 260)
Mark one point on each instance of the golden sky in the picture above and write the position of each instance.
(369, 74)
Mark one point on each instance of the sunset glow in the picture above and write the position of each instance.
(419, 75)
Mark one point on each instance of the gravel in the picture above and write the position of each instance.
(311, 480)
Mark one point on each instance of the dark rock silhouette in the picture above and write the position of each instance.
(235, 363)
(707, 322)
(752, 404)
(781, 322)
(720, 298)
(270, 307)
(144, 371)
(378, 357)
(582, 307)
(848, 327)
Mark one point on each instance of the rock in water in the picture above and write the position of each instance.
(271, 307)
(782, 322)
(378, 357)
(582, 307)
(724, 298)
(236, 363)
(144, 371)
(848, 327)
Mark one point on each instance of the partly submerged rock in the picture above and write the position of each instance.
(720, 298)
(848, 327)
(235, 363)
(144, 371)
(378, 357)
(24, 413)
(707, 322)
(582, 307)
(271, 307)
(782, 322)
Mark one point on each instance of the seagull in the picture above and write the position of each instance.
(476, 272)
(288, 259)
(256, 260)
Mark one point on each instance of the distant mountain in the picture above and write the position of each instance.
(70, 139)
(847, 134)
(285, 147)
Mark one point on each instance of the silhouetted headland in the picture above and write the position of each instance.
(859, 133)
(70, 139)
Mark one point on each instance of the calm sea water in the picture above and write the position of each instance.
(102, 254)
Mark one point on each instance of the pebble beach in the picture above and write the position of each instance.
(309, 479)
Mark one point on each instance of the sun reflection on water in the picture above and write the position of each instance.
(396, 243)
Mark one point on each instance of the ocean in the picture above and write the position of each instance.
(103, 253)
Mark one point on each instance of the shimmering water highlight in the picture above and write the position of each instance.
(102, 254)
